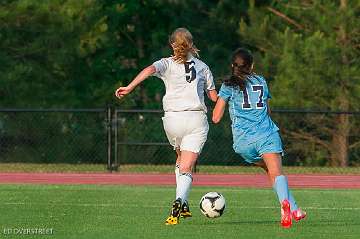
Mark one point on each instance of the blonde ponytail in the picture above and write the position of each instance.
(182, 43)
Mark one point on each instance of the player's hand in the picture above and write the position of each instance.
(122, 91)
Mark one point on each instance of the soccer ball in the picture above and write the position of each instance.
(212, 204)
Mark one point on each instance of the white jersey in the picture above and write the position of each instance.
(185, 84)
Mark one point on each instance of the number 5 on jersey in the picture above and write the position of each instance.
(190, 71)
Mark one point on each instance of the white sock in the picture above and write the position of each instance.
(183, 186)
(177, 172)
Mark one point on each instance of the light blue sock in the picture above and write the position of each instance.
(292, 202)
(281, 188)
(183, 186)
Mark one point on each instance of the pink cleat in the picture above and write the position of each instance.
(285, 214)
(298, 214)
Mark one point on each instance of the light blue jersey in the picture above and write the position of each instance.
(249, 110)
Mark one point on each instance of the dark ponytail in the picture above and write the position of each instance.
(241, 68)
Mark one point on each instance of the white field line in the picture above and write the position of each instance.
(159, 206)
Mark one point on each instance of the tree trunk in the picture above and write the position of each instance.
(144, 99)
(340, 141)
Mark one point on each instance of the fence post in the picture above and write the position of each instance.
(116, 165)
(109, 136)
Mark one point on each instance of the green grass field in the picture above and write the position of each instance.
(92, 211)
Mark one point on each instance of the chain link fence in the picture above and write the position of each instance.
(100, 140)
(314, 141)
(53, 140)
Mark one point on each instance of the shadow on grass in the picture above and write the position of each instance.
(329, 222)
(332, 222)
(265, 222)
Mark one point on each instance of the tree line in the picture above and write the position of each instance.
(75, 53)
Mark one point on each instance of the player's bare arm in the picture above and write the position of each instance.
(218, 110)
(212, 94)
(145, 73)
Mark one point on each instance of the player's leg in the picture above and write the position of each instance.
(191, 146)
(296, 212)
(271, 152)
(292, 201)
(183, 187)
(174, 131)
(177, 164)
(187, 163)
(185, 209)
(188, 160)
(280, 185)
(262, 165)
(277, 179)
(173, 218)
(252, 153)
(196, 127)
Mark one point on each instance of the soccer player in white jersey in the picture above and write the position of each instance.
(256, 137)
(186, 79)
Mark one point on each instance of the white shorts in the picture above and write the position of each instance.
(186, 130)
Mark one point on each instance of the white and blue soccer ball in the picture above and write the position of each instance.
(212, 204)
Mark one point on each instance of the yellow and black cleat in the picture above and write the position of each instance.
(185, 210)
(185, 214)
(173, 219)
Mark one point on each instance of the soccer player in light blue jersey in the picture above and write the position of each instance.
(255, 136)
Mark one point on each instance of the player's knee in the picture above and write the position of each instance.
(274, 171)
(185, 168)
(273, 175)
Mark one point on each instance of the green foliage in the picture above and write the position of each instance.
(67, 53)
(75, 53)
(310, 52)
(304, 57)
(39, 62)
